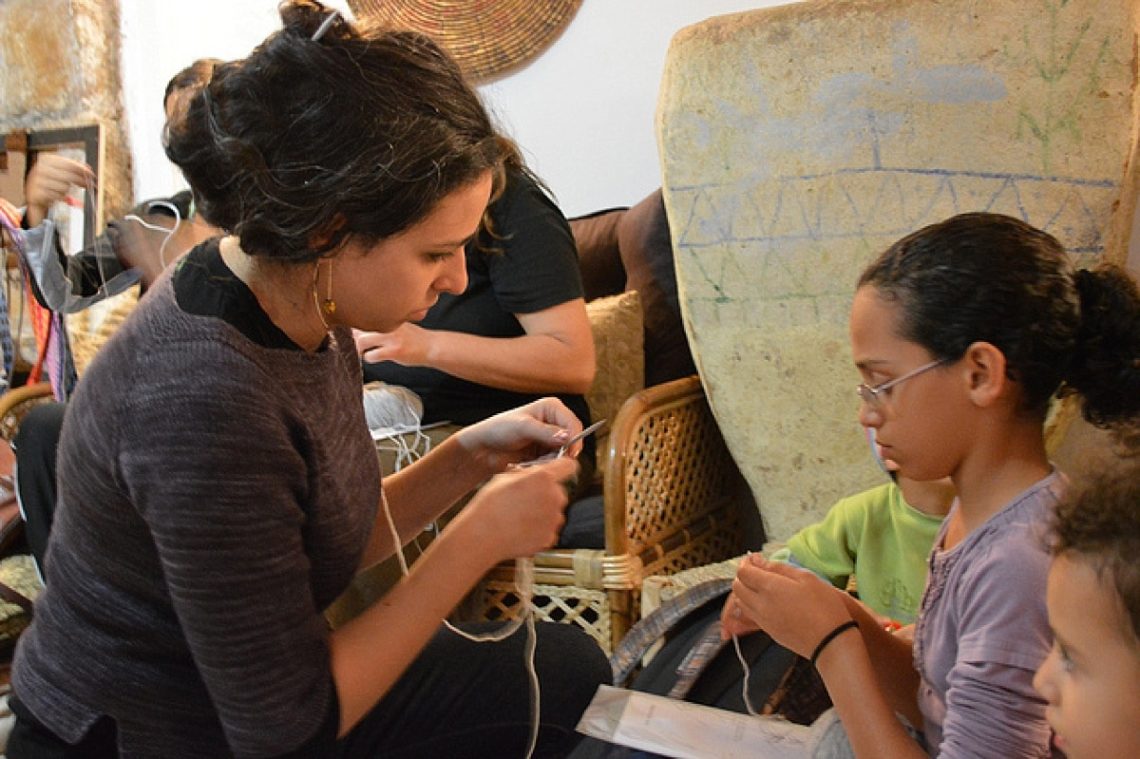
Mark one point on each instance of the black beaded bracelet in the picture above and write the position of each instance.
(830, 637)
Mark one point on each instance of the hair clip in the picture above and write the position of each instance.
(324, 27)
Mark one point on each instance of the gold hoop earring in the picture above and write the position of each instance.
(326, 307)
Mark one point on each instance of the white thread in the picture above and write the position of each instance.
(747, 675)
(158, 227)
(177, 221)
(94, 236)
(406, 451)
(743, 663)
(147, 224)
(88, 225)
(524, 585)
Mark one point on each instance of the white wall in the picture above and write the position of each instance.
(582, 111)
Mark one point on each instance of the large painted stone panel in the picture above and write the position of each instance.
(797, 142)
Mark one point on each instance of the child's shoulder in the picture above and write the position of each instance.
(882, 505)
(871, 500)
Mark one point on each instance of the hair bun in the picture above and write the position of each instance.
(308, 18)
(1105, 366)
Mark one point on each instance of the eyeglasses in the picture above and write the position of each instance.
(874, 396)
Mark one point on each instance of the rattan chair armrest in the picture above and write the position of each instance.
(13, 402)
(631, 414)
(668, 469)
(10, 399)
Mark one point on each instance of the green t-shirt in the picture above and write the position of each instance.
(881, 539)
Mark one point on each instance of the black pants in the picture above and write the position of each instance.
(35, 448)
(462, 699)
(458, 699)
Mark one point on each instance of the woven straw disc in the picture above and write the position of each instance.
(487, 37)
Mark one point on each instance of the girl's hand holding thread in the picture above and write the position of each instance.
(792, 605)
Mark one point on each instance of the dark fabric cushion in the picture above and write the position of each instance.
(647, 254)
(596, 236)
(585, 524)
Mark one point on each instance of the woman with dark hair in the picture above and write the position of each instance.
(218, 485)
(963, 332)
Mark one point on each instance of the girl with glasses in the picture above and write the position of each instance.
(962, 332)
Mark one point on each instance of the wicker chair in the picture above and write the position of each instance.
(18, 401)
(14, 404)
(673, 500)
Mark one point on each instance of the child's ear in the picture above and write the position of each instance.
(984, 365)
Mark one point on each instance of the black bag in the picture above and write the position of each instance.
(694, 665)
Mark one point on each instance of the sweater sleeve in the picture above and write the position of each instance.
(826, 547)
(224, 492)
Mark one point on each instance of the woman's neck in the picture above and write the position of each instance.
(284, 292)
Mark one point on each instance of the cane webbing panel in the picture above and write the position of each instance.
(589, 609)
(675, 464)
(672, 498)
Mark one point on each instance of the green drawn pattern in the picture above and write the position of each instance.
(1057, 113)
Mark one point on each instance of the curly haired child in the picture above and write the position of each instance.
(1091, 678)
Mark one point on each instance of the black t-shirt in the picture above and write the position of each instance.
(530, 266)
(205, 286)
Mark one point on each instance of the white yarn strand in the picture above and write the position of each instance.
(747, 676)
(524, 586)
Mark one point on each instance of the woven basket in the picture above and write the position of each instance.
(486, 37)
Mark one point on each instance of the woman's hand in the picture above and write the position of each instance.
(48, 182)
(521, 434)
(792, 605)
(408, 345)
(519, 512)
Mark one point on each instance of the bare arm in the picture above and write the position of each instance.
(867, 715)
(556, 355)
(515, 514)
(892, 658)
(421, 492)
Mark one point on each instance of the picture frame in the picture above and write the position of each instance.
(79, 218)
